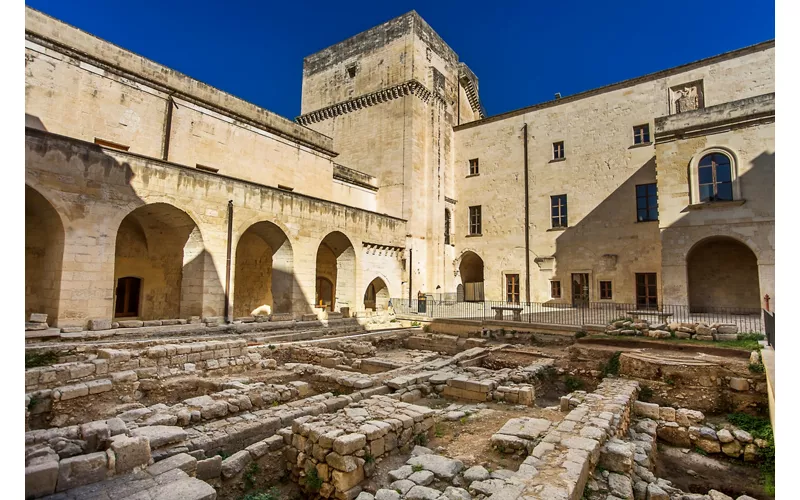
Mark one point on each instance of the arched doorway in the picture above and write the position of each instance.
(376, 297)
(44, 256)
(264, 274)
(160, 257)
(471, 270)
(722, 272)
(336, 263)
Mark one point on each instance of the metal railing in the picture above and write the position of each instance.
(591, 313)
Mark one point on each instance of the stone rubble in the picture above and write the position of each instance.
(699, 331)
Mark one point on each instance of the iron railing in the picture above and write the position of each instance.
(591, 313)
(769, 327)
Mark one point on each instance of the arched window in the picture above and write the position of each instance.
(715, 178)
(446, 226)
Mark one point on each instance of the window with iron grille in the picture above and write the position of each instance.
(512, 288)
(558, 150)
(473, 167)
(714, 174)
(641, 134)
(605, 290)
(646, 291)
(646, 202)
(558, 210)
(555, 289)
(475, 220)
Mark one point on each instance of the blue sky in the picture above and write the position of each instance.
(522, 52)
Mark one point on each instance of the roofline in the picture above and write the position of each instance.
(625, 83)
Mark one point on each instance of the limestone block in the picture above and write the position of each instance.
(346, 463)
(728, 329)
(442, 467)
(344, 481)
(739, 384)
(236, 463)
(422, 493)
(685, 417)
(41, 478)
(130, 323)
(666, 413)
(732, 449)
(130, 453)
(648, 410)
(620, 485)
(184, 489)
(70, 392)
(708, 445)
(349, 444)
(724, 436)
(617, 456)
(476, 473)
(654, 492)
(209, 468)
(99, 324)
(743, 436)
(81, 470)
(384, 494)
(675, 435)
(161, 435)
(181, 461)
(95, 434)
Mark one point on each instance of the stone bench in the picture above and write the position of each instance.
(498, 312)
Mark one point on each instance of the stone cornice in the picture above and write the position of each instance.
(410, 87)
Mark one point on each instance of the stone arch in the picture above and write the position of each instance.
(376, 296)
(162, 246)
(722, 272)
(336, 262)
(264, 271)
(44, 256)
(471, 269)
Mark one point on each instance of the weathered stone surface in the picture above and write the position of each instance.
(617, 456)
(181, 461)
(346, 463)
(724, 436)
(81, 470)
(620, 485)
(384, 494)
(161, 435)
(209, 468)
(344, 481)
(349, 444)
(718, 495)
(99, 324)
(525, 427)
(41, 478)
(739, 384)
(685, 417)
(423, 477)
(743, 436)
(130, 452)
(732, 449)
(236, 463)
(185, 489)
(674, 435)
(476, 473)
(442, 467)
(654, 492)
(422, 493)
(401, 473)
(708, 445)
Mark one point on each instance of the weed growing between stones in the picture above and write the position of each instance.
(669, 381)
(612, 367)
(368, 458)
(272, 347)
(439, 430)
(34, 359)
(250, 475)
(756, 367)
(573, 383)
(313, 481)
(414, 323)
(417, 468)
(421, 439)
(581, 334)
(760, 428)
(222, 454)
(426, 328)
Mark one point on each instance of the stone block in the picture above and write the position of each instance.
(739, 384)
(349, 444)
(648, 410)
(617, 456)
(98, 386)
(99, 324)
(95, 434)
(344, 481)
(38, 318)
(209, 468)
(236, 463)
(81, 470)
(666, 413)
(70, 392)
(130, 453)
(161, 435)
(182, 461)
(686, 418)
(41, 479)
(184, 489)
(130, 323)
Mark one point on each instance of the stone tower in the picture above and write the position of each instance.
(389, 97)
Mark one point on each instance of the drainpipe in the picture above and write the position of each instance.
(527, 224)
(167, 128)
(228, 264)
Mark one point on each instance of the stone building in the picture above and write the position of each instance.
(151, 195)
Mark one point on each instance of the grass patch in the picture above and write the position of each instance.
(421, 439)
(250, 474)
(573, 384)
(368, 458)
(612, 366)
(35, 359)
(439, 430)
(581, 334)
(760, 428)
(756, 368)
(415, 323)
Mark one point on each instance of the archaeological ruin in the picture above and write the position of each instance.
(395, 295)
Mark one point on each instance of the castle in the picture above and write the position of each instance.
(153, 196)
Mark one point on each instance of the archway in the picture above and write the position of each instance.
(264, 271)
(376, 297)
(722, 272)
(471, 271)
(160, 247)
(44, 256)
(336, 263)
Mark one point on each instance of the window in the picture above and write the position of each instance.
(446, 226)
(558, 150)
(558, 210)
(475, 220)
(646, 202)
(473, 167)
(646, 292)
(512, 288)
(715, 179)
(641, 134)
(555, 289)
(351, 70)
(605, 290)
(127, 300)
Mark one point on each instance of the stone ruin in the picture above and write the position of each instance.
(115, 420)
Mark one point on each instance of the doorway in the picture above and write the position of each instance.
(127, 303)
(646, 291)
(580, 289)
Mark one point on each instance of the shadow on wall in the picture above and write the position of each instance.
(609, 243)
